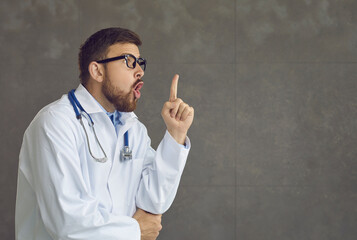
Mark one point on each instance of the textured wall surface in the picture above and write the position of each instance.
(274, 86)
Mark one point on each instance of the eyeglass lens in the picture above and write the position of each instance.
(131, 62)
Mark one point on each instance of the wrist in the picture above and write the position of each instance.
(180, 137)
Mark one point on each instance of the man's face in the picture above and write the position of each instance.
(121, 84)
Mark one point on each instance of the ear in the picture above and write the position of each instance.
(96, 71)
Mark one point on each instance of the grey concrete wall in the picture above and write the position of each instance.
(273, 84)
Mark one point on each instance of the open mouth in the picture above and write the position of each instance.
(137, 88)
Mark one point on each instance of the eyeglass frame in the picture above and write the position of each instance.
(125, 56)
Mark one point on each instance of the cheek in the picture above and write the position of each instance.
(121, 79)
(125, 84)
(126, 80)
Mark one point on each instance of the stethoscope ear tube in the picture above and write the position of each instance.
(71, 99)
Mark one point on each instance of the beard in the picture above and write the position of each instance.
(123, 102)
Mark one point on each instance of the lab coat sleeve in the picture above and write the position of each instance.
(161, 174)
(50, 162)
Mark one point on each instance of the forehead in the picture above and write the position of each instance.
(122, 48)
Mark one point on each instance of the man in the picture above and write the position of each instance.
(76, 180)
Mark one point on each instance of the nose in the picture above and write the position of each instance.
(139, 73)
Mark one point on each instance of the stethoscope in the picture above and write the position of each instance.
(126, 153)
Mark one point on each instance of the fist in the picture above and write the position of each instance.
(150, 224)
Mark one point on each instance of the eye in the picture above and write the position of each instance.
(130, 60)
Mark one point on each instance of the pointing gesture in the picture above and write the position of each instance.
(173, 90)
(178, 115)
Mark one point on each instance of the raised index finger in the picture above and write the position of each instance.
(173, 90)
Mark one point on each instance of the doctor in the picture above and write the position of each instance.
(73, 181)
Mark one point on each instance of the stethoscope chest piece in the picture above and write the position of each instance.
(126, 154)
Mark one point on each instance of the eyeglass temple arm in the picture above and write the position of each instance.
(110, 59)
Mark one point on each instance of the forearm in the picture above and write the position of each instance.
(160, 179)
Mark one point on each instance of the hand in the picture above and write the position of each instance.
(150, 224)
(178, 115)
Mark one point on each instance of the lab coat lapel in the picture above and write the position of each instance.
(87, 100)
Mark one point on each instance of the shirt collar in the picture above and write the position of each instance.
(113, 116)
(91, 105)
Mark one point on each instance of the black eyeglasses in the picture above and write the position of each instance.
(130, 61)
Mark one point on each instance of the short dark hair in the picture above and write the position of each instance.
(96, 47)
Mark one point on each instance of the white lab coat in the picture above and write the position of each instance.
(63, 193)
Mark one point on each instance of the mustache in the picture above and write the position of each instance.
(136, 82)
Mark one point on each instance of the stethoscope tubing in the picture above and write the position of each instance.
(75, 103)
(125, 155)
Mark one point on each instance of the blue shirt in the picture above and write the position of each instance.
(113, 116)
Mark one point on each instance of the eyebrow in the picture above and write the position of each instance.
(130, 54)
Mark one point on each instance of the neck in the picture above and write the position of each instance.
(95, 89)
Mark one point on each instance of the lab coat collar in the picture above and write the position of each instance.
(91, 105)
